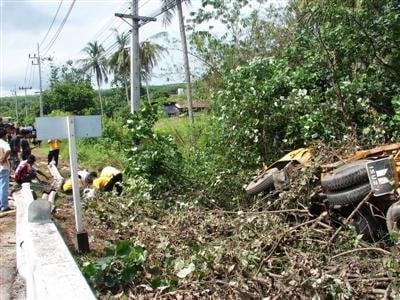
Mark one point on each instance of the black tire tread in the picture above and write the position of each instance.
(262, 182)
(393, 217)
(349, 196)
(346, 176)
(369, 226)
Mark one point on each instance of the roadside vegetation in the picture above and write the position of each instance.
(323, 74)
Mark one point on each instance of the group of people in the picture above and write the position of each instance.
(16, 155)
(19, 140)
(14, 147)
(5, 151)
(110, 178)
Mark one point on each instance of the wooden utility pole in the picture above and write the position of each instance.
(36, 60)
(14, 93)
(135, 54)
(26, 106)
(185, 61)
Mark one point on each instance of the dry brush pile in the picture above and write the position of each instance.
(270, 247)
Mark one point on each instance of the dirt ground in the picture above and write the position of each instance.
(64, 214)
(292, 254)
(11, 284)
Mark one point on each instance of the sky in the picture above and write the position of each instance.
(26, 23)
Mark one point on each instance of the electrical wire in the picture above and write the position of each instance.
(105, 29)
(26, 70)
(110, 33)
(51, 43)
(30, 76)
(107, 25)
(168, 5)
(52, 22)
(32, 79)
(126, 10)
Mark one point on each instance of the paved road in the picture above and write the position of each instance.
(11, 283)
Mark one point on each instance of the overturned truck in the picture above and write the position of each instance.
(366, 183)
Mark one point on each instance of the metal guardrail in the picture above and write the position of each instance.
(43, 259)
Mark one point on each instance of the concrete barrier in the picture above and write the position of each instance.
(43, 259)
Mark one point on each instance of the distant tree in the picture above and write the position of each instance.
(95, 63)
(150, 53)
(70, 91)
(119, 61)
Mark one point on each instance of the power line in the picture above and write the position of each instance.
(107, 25)
(110, 34)
(52, 22)
(104, 29)
(25, 102)
(114, 44)
(51, 43)
(26, 70)
(30, 76)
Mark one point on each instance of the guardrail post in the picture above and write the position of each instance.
(43, 259)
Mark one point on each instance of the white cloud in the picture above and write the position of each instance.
(24, 23)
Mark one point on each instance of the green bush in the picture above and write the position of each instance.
(151, 155)
(118, 267)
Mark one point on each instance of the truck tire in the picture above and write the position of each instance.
(369, 226)
(262, 182)
(349, 196)
(393, 217)
(346, 176)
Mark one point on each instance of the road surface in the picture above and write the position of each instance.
(11, 283)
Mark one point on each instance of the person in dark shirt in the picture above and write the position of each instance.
(25, 148)
(15, 146)
(25, 171)
(24, 143)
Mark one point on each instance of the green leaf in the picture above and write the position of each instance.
(123, 248)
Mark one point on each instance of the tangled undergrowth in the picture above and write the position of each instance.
(271, 247)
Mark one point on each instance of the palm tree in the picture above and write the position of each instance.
(150, 53)
(95, 63)
(119, 61)
(168, 7)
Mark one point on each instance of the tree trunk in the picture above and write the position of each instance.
(101, 101)
(127, 91)
(186, 60)
(147, 90)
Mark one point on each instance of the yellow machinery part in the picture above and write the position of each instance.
(301, 155)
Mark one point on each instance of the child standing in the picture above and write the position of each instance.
(54, 150)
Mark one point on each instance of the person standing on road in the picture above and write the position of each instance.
(54, 150)
(15, 146)
(4, 170)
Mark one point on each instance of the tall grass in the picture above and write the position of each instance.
(185, 135)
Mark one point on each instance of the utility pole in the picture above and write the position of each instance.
(36, 60)
(14, 93)
(26, 106)
(135, 55)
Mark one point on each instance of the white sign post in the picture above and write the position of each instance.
(71, 127)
